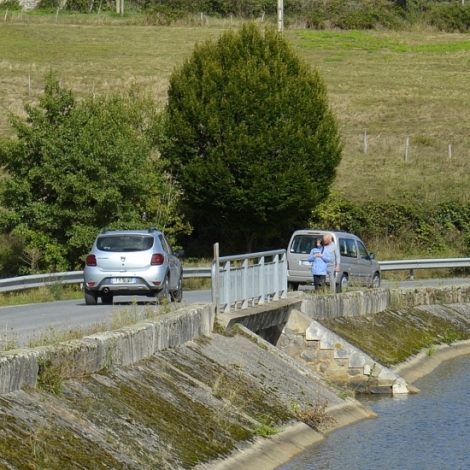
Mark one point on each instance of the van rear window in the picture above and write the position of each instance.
(303, 244)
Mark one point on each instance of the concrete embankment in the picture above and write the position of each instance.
(181, 407)
(173, 394)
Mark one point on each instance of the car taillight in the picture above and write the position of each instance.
(91, 260)
(157, 259)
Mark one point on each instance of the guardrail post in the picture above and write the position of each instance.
(412, 274)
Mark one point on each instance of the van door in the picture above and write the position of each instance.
(367, 268)
(349, 259)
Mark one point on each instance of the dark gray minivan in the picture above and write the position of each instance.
(358, 266)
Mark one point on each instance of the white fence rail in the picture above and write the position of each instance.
(76, 277)
(246, 280)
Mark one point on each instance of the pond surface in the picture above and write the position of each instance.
(427, 431)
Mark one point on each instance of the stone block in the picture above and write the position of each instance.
(327, 354)
(308, 355)
(357, 359)
(343, 363)
(400, 387)
(356, 372)
(341, 353)
(379, 389)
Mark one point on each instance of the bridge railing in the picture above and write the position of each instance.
(246, 280)
(76, 277)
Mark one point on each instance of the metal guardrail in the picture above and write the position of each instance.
(76, 277)
(72, 277)
(412, 264)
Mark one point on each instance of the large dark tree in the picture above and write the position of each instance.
(251, 136)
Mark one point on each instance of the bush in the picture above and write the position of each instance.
(162, 15)
(10, 5)
(451, 17)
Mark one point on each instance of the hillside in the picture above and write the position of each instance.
(393, 85)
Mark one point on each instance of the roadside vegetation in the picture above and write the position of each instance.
(397, 84)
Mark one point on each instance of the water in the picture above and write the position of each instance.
(427, 431)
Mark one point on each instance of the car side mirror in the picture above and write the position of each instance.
(371, 256)
(179, 253)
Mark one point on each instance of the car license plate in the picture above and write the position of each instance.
(123, 280)
(304, 262)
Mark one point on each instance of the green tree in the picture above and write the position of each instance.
(251, 136)
(78, 166)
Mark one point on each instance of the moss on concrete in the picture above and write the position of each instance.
(174, 410)
(392, 336)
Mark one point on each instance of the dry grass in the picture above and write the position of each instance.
(394, 85)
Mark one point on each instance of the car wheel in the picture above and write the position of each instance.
(164, 293)
(376, 281)
(107, 299)
(91, 298)
(177, 295)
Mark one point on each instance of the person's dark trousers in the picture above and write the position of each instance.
(319, 281)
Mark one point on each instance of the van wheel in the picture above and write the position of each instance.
(343, 283)
(376, 281)
(293, 285)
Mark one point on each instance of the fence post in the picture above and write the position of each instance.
(262, 280)
(215, 278)
(407, 146)
(245, 283)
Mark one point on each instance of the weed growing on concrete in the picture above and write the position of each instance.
(316, 416)
(221, 330)
(265, 427)
(430, 351)
(449, 336)
(51, 376)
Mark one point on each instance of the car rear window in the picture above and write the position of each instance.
(118, 243)
(302, 244)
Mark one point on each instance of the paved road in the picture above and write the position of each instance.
(23, 322)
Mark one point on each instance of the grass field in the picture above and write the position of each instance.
(393, 85)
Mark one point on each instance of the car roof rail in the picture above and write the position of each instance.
(107, 229)
(152, 229)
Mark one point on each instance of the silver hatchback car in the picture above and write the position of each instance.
(132, 262)
(357, 266)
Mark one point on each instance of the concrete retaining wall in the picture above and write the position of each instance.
(19, 368)
(352, 304)
(349, 304)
